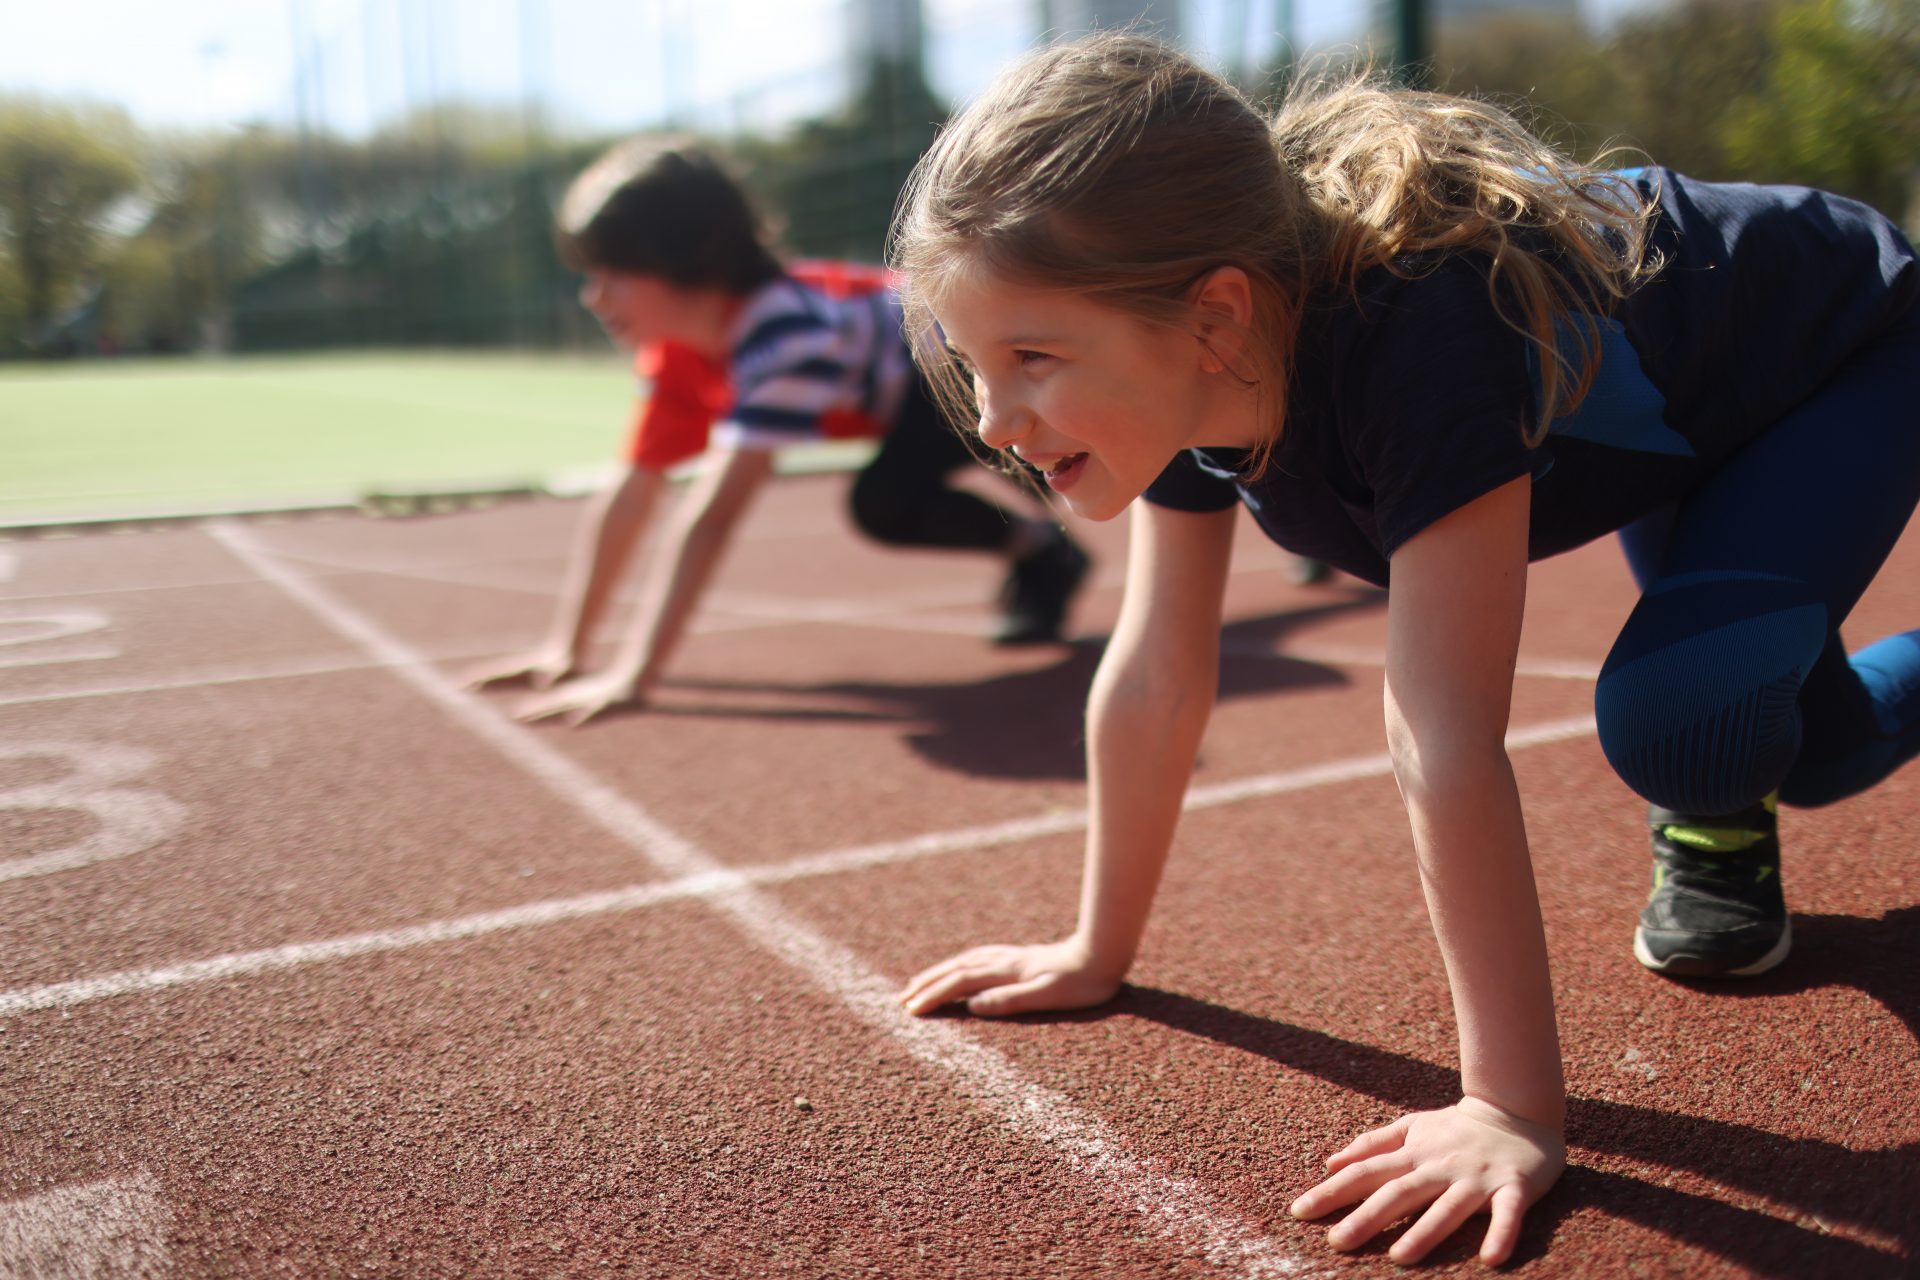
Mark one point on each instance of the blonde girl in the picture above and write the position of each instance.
(1425, 348)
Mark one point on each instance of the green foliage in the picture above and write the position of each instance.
(13, 302)
(833, 181)
(1839, 105)
(63, 168)
(1820, 92)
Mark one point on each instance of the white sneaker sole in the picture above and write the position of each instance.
(1768, 961)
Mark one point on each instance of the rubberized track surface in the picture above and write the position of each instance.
(310, 965)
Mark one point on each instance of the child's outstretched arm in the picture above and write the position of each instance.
(1453, 627)
(1149, 706)
(609, 530)
(698, 536)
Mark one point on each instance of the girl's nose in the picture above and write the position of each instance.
(590, 290)
(1002, 424)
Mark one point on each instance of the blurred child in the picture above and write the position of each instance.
(748, 355)
(1424, 348)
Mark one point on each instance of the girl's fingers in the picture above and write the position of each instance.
(1507, 1208)
(1354, 1182)
(958, 985)
(1386, 1206)
(1441, 1220)
(1372, 1143)
(1014, 997)
(928, 976)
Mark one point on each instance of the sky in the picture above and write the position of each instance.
(599, 65)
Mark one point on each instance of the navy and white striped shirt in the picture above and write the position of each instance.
(801, 358)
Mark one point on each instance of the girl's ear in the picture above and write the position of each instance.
(1222, 302)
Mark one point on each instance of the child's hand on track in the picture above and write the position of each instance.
(540, 669)
(999, 980)
(1453, 1163)
(578, 701)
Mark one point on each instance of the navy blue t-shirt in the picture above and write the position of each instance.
(1413, 398)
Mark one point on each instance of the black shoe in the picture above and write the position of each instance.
(1716, 910)
(1038, 590)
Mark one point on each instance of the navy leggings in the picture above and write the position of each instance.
(1729, 680)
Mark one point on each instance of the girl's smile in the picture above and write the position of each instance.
(1096, 399)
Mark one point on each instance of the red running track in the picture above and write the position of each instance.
(310, 965)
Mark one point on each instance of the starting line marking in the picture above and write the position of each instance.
(1175, 1207)
(706, 884)
(116, 1227)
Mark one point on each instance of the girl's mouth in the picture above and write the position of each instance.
(1065, 471)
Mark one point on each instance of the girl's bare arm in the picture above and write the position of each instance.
(1149, 706)
(1453, 621)
(610, 528)
(698, 536)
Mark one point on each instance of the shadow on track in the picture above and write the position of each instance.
(1028, 724)
(1821, 1183)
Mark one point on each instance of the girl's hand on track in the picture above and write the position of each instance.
(1000, 980)
(1453, 1163)
(540, 669)
(578, 701)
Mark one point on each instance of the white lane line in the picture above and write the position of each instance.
(9, 564)
(65, 995)
(287, 670)
(114, 1229)
(297, 667)
(62, 995)
(1175, 1207)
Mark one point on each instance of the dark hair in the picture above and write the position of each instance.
(660, 208)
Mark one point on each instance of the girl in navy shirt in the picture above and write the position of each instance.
(1425, 348)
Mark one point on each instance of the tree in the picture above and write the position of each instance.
(833, 181)
(63, 169)
(1839, 104)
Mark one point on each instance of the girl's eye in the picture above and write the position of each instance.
(1031, 357)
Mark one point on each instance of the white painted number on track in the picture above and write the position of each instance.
(116, 1227)
(46, 628)
(130, 819)
(49, 626)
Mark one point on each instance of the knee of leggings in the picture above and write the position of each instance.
(1709, 723)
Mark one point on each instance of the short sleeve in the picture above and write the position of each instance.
(1186, 486)
(674, 420)
(1435, 408)
(786, 385)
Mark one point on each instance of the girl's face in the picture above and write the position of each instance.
(1097, 399)
(641, 310)
(635, 310)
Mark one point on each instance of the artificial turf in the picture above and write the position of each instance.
(138, 436)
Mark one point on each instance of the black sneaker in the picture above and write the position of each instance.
(1038, 590)
(1716, 910)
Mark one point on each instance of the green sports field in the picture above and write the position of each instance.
(134, 437)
